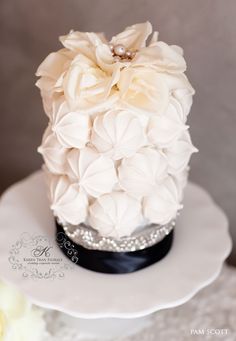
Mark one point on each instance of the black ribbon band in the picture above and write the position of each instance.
(112, 262)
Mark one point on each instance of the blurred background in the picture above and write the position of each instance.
(206, 30)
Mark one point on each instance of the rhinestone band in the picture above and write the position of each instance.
(90, 239)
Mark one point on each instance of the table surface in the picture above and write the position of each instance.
(211, 315)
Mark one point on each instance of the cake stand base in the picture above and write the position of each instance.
(78, 329)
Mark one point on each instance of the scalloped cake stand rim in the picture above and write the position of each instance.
(201, 245)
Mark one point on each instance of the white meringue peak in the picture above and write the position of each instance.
(115, 214)
(179, 152)
(117, 134)
(139, 174)
(71, 128)
(54, 154)
(68, 203)
(93, 172)
(162, 205)
(167, 128)
(181, 180)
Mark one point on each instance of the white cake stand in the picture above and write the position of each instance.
(200, 247)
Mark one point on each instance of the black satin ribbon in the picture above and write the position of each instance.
(109, 261)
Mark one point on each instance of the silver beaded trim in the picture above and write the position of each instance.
(90, 239)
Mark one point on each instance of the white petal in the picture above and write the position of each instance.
(104, 58)
(178, 49)
(176, 82)
(163, 57)
(79, 42)
(134, 36)
(143, 90)
(53, 65)
(154, 38)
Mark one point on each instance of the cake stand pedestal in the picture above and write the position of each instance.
(200, 246)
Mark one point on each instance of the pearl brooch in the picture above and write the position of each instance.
(111, 46)
(119, 52)
(130, 54)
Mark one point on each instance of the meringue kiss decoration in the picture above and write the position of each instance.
(115, 214)
(93, 172)
(141, 173)
(72, 129)
(118, 134)
(53, 152)
(117, 146)
(67, 202)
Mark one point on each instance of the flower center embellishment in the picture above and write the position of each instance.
(119, 52)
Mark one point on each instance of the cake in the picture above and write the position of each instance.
(117, 146)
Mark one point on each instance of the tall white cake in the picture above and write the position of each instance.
(117, 145)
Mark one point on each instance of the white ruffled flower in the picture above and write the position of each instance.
(162, 205)
(179, 152)
(87, 73)
(72, 129)
(117, 134)
(132, 38)
(68, 202)
(87, 88)
(115, 214)
(19, 319)
(93, 172)
(139, 174)
(53, 152)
